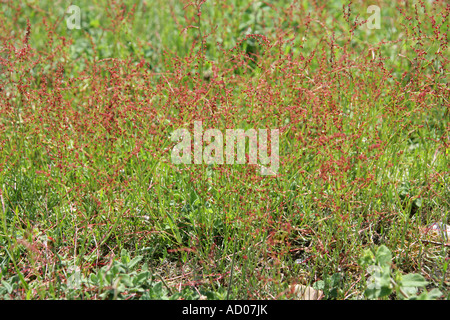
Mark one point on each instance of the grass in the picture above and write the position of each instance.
(92, 206)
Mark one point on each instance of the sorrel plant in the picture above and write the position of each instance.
(86, 118)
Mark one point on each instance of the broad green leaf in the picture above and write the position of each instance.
(384, 256)
(409, 291)
(141, 278)
(335, 280)
(422, 296)
(319, 285)
(133, 262)
(375, 293)
(157, 288)
(434, 294)
(385, 279)
(413, 280)
(367, 258)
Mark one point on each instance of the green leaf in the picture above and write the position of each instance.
(94, 279)
(413, 280)
(319, 285)
(124, 256)
(7, 286)
(126, 280)
(409, 291)
(141, 278)
(434, 294)
(379, 282)
(367, 258)
(375, 293)
(385, 280)
(383, 256)
(133, 262)
(335, 279)
(422, 296)
(157, 290)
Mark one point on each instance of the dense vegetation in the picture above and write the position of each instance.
(93, 207)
